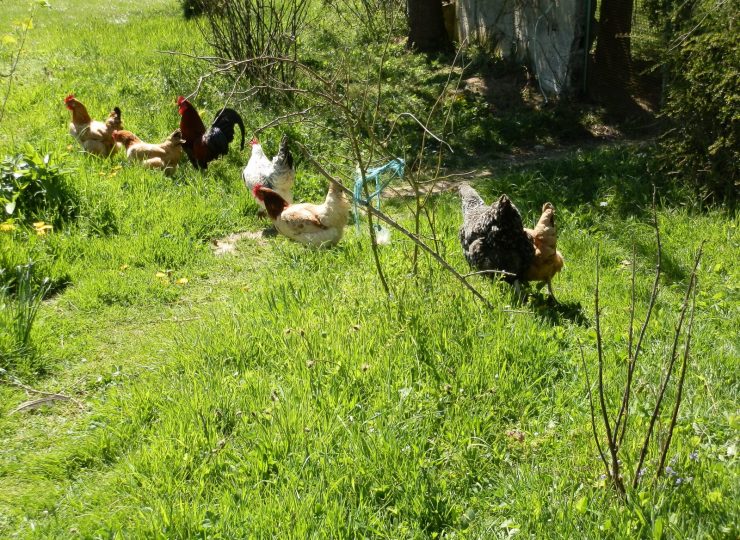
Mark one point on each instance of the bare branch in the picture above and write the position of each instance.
(593, 413)
(14, 66)
(282, 119)
(624, 408)
(684, 363)
(426, 130)
(664, 384)
(51, 395)
(483, 272)
(611, 442)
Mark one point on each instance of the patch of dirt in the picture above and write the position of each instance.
(505, 91)
(227, 244)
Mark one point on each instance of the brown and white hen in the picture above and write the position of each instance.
(310, 224)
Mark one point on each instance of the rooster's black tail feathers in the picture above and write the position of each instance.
(226, 120)
(284, 156)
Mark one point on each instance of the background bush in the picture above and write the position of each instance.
(700, 144)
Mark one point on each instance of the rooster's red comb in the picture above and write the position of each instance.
(181, 100)
(254, 141)
(69, 98)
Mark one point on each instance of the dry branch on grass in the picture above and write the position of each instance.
(46, 398)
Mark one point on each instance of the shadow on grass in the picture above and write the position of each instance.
(555, 313)
(670, 268)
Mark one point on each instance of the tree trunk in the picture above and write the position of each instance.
(611, 78)
(427, 31)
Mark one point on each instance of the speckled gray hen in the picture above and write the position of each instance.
(493, 237)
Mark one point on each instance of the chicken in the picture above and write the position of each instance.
(311, 224)
(95, 137)
(278, 174)
(547, 261)
(163, 156)
(203, 146)
(493, 237)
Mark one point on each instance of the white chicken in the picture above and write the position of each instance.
(310, 224)
(277, 174)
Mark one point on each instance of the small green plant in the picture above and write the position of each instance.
(32, 188)
(18, 315)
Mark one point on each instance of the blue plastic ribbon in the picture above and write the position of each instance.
(395, 166)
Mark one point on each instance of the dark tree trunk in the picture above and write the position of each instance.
(427, 31)
(612, 78)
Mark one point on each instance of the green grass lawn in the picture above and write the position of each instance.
(277, 392)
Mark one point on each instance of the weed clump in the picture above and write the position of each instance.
(33, 189)
(17, 316)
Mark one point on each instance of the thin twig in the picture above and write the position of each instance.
(281, 119)
(14, 66)
(499, 272)
(624, 409)
(55, 395)
(684, 364)
(593, 413)
(611, 443)
(426, 130)
(664, 384)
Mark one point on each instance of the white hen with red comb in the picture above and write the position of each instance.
(277, 174)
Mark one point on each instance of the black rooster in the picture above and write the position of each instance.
(203, 146)
(493, 237)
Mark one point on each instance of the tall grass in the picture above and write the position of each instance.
(18, 315)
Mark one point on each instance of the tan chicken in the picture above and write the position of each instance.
(311, 224)
(547, 259)
(95, 137)
(163, 156)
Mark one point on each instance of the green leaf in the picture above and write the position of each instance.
(582, 505)
(714, 496)
(658, 529)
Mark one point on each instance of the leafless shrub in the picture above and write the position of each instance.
(240, 29)
(612, 450)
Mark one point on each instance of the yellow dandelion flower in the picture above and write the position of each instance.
(182, 281)
(7, 227)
